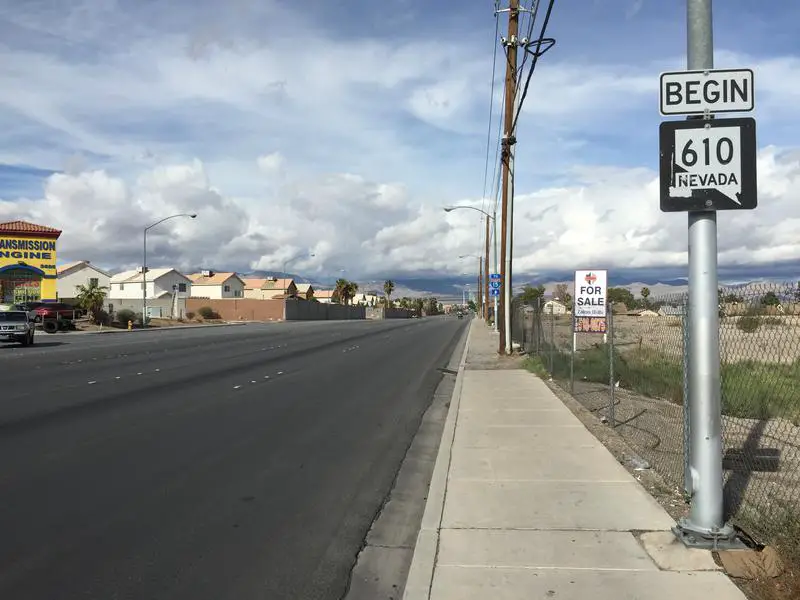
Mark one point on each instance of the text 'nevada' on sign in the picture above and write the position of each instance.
(713, 91)
(590, 293)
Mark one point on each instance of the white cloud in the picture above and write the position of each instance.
(271, 164)
(346, 147)
(608, 218)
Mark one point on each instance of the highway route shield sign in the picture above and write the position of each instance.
(708, 165)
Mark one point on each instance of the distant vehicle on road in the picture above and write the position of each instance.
(15, 325)
(460, 315)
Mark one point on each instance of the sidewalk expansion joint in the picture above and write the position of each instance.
(504, 480)
(541, 529)
(545, 568)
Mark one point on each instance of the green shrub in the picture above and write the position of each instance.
(124, 315)
(748, 323)
(190, 315)
(101, 317)
(207, 312)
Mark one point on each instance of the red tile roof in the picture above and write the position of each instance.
(23, 227)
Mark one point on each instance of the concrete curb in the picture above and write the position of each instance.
(151, 329)
(420, 573)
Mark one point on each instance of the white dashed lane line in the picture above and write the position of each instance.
(254, 381)
(140, 373)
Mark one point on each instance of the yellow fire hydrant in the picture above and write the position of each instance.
(130, 325)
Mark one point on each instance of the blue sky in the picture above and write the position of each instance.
(342, 128)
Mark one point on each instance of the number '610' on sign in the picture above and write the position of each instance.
(708, 164)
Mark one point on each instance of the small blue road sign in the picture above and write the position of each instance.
(494, 291)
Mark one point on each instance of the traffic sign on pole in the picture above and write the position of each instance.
(494, 291)
(711, 91)
(708, 164)
(494, 276)
(494, 285)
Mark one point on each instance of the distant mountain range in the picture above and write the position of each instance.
(450, 288)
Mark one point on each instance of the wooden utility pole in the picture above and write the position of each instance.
(486, 274)
(511, 44)
(479, 293)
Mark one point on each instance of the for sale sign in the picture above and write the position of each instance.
(590, 293)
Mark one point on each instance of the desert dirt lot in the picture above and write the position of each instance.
(777, 339)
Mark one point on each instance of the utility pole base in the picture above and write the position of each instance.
(694, 537)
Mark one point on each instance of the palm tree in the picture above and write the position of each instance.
(345, 290)
(91, 298)
(350, 291)
(388, 288)
(340, 291)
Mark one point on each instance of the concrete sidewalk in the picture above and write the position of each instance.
(525, 503)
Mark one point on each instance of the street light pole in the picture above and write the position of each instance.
(291, 260)
(480, 283)
(144, 259)
(489, 217)
(485, 290)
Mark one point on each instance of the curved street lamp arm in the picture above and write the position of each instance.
(480, 210)
(190, 215)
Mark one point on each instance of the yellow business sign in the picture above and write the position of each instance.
(27, 268)
(39, 253)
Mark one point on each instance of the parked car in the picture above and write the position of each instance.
(51, 310)
(15, 325)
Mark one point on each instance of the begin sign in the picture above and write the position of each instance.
(716, 91)
(590, 293)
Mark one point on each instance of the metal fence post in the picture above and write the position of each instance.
(572, 357)
(552, 340)
(612, 416)
(687, 426)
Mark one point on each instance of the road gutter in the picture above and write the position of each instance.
(420, 575)
(382, 565)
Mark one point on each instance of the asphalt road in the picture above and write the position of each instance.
(243, 462)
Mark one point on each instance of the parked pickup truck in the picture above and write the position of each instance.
(51, 310)
(16, 326)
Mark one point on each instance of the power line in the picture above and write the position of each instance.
(532, 12)
(542, 45)
(491, 111)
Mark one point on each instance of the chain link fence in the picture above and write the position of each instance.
(632, 377)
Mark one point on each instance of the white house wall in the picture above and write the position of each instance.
(132, 290)
(165, 304)
(66, 285)
(165, 283)
(216, 292)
